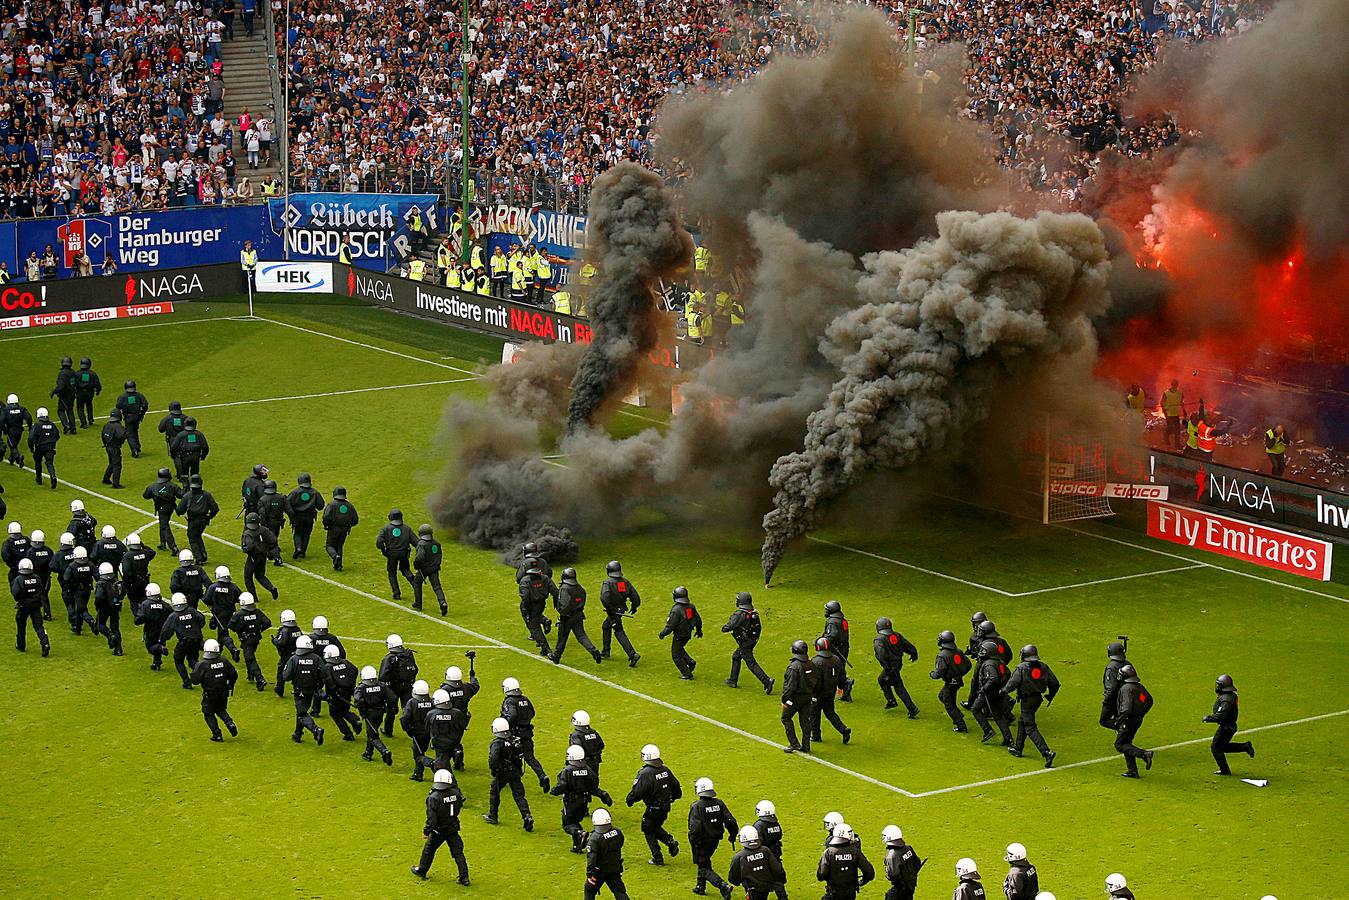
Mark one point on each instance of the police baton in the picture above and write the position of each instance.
(1124, 638)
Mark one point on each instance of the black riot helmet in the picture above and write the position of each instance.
(681, 594)
(260, 471)
(822, 645)
(165, 474)
(1030, 652)
(175, 406)
(988, 649)
(85, 362)
(1115, 651)
(569, 575)
(531, 548)
(987, 628)
(613, 568)
(946, 640)
(130, 385)
(339, 493)
(1127, 673)
(1224, 684)
(977, 618)
(395, 515)
(799, 649)
(194, 482)
(424, 531)
(832, 608)
(883, 624)
(744, 600)
(303, 479)
(115, 415)
(66, 362)
(269, 486)
(190, 423)
(252, 519)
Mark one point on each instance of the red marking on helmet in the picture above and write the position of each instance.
(688, 613)
(1034, 673)
(957, 658)
(894, 639)
(622, 587)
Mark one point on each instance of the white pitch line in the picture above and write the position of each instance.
(1081, 584)
(530, 654)
(933, 572)
(421, 644)
(386, 387)
(1103, 759)
(96, 331)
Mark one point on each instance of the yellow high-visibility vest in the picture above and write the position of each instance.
(484, 284)
(452, 277)
(500, 264)
(531, 264)
(562, 302)
(723, 303)
(588, 272)
(545, 270)
(444, 256)
(248, 260)
(694, 320)
(417, 269)
(416, 219)
(269, 189)
(697, 297)
(701, 257)
(344, 254)
(475, 257)
(737, 313)
(4, 276)
(518, 280)
(1278, 446)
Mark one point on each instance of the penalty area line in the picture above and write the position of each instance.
(365, 390)
(1082, 584)
(364, 640)
(528, 654)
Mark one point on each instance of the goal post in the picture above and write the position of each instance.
(1075, 477)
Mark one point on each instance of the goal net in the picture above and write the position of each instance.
(1075, 478)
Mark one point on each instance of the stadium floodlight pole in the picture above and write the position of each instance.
(465, 142)
(913, 25)
(284, 130)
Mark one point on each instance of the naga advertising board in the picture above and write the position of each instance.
(1237, 539)
(376, 227)
(285, 277)
(31, 305)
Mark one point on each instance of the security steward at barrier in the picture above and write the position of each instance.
(1276, 448)
(248, 264)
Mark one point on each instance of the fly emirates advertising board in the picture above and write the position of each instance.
(1259, 544)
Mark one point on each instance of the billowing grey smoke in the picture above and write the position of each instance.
(634, 237)
(943, 323)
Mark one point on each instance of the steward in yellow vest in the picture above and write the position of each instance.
(562, 302)
(417, 269)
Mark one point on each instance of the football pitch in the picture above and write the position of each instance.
(112, 785)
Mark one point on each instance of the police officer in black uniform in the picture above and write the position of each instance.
(303, 505)
(570, 604)
(189, 449)
(164, 494)
(339, 687)
(190, 580)
(222, 598)
(287, 635)
(413, 722)
(43, 437)
(798, 694)
(972, 653)
(836, 630)
(87, 385)
(1110, 683)
(83, 526)
(186, 624)
(15, 419)
(306, 673)
(249, 623)
(461, 694)
(1032, 683)
(746, 627)
(1224, 715)
(426, 561)
(28, 591)
(535, 588)
(576, 784)
(77, 584)
(843, 868)
(398, 670)
(891, 647)
(15, 548)
(968, 887)
(588, 739)
(171, 426)
(259, 546)
(272, 508)
(251, 490)
(442, 825)
(619, 597)
(374, 701)
(709, 819)
(445, 725)
(109, 549)
(108, 606)
(604, 858)
(113, 436)
(395, 542)
(769, 831)
(339, 517)
(134, 406)
(505, 761)
(151, 613)
(198, 506)
(1134, 702)
(217, 676)
(531, 556)
(1022, 881)
(64, 392)
(756, 867)
(683, 623)
(951, 668)
(657, 788)
(902, 864)
(989, 702)
(519, 712)
(45, 563)
(830, 676)
(136, 568)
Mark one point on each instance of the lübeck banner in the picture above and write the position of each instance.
(1259, 544)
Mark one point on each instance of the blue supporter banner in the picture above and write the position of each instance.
(9, 237)
(314, 225)
(146, 240)
(559, 234)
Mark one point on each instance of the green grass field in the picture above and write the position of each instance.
(112, 785)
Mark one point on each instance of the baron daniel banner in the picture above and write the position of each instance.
(281, 277)
(1233, 538)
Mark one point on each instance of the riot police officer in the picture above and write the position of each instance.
(506, 763)
(836, 630)
(136, 568)
(15, 419)
(190, 580)
(769, 830)
(87, 385)
(683, 623)
(108, 606)
(189, 449)
(1224, 715)
(972, 653)
(588, 739)
(171, 426)
(657, 788)
(709, 819)
(186, 624)
(442, 825)
(798, 692)
(413, 721)
(755, 867)
(77, 584)
(249, 623)
(64, 392)
(1110, 683)
(989, 702)
(619, 597)
(1135, 701)
(829, 679)
(222, 598)
(113, 436)
(576, 784)
(1032, 682)
(395, 542)
(251, 490)
(28, 591)
(746, 627)
(285, 639)
(891, 647)
(151, 613)
(14, 548)
(259, 546)
(570, 604)
(302, 506)
(445, 726)
(45, 562)
(374, 701)
(134, 406)
(951, 668)
(199, 507)
(519, 712)
(902, 864)
(339, 688)
(272, 508)
(109, 549)
(426, 561)
(399, 671)
(535, 588)
(43, 437)
(968, 887)
(217, 676)
(843, 868)
(1022, 881)
(339, 517)
(604, 857)
(305, 672)
(164, 494)
(461, 694)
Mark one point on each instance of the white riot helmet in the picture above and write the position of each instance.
(703, 786)
(441, 699)
(367, 674)
(843, 834)
(420, 688)
(179, 599)
(748, 836)
(508, 685)
(442, 778)
(304, 642)
(580, 719)
(16, 528)
(331, 652)
(211, 648)
(152, 590)
(222, 573)
(650, 753)
(25, 565)
(246, 600)
(1115, 882)
(965, 866)
(42, 412)
(38, 536)
(601, 817)
(67, 539)
(1015, 852)
(76, 506)
(133, 539)
(765, 808)
(109, 532)
(393, 642)
(891, 833)
(500, 726)
(1045, 895)
(320, 623)
(575, 753)
(12, 398)
(185, 555)
(287, 617)
(454, 674)
(105, 569)
(831, 820)
(79, 553)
